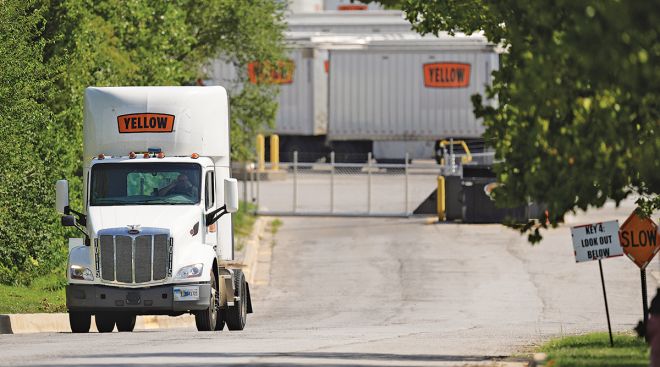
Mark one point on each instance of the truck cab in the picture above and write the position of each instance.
(156, 215)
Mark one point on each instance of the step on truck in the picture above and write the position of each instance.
(156, 211)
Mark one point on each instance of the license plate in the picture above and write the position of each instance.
(186, 293)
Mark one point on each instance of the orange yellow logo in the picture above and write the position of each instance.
(446, 75)
(280, 73)
(145, 123)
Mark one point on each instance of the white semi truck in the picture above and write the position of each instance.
(156, 212)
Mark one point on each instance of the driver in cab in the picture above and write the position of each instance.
(180, 186)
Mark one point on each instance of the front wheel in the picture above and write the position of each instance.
(206, 320)
(80, 322)
(236, 315)
(126, 322)
(105, 322)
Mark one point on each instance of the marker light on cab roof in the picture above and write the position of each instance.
(194, 156)
(101, 156)
(132, 155)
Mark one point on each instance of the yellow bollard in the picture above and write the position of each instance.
(441, 199)
(274, 152)
(261, 153)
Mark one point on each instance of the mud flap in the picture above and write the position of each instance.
(249, 299)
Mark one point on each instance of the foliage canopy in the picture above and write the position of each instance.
(578, 97)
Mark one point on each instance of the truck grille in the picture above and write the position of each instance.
(133, 259)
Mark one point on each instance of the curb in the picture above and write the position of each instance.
(59, 322)
(251, 254)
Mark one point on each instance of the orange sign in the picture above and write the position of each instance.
(350, 7)
(281, 73)
(446, 75)
(145, 123)
(639, 239)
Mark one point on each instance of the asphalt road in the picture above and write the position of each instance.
(394, 292)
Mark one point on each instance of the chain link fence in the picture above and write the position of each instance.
(340, 189)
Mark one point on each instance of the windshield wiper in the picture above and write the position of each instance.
(159, 201)
(108, 201)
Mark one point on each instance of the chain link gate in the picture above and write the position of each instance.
(340, 189)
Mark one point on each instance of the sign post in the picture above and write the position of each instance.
(639, 241)
(596, 242)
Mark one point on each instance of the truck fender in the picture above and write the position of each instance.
(195, 253)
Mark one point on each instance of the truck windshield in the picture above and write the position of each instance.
(145, 184)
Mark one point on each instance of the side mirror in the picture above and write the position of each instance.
(62, 196)
(68, 221)
(231, 195)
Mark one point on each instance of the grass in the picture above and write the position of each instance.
(594, 349)
(275, 225)
(244, 219)
(46, 294)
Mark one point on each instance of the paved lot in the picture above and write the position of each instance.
(395, 292)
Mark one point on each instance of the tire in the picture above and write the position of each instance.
(206, 320)
(126, 322)
(80, 322)
(105, 322)
(220, 323)
(236, 315)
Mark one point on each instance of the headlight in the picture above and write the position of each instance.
(190, 271)
(81, 272)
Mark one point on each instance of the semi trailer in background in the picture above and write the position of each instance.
(348, 22)
(156, 211)
(389, 94)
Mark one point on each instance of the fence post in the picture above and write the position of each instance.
(332, 182)
(258, 189)
(253, 197)
(406, 188)
(261, 153)
(369, 183)
(295, 180)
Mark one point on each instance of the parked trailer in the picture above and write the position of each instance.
(406, 92)
(302, 99)
(349, 22)
(389, 94)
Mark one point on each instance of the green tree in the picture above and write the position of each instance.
(51, 50)
(577, 116)
(28, 224)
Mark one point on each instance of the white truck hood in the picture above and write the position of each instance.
(178, 219)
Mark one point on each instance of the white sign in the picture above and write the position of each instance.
(596, 241)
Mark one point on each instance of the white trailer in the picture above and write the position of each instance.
(156, 215)
(405, 92)
(389, 94)
(349, 22)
